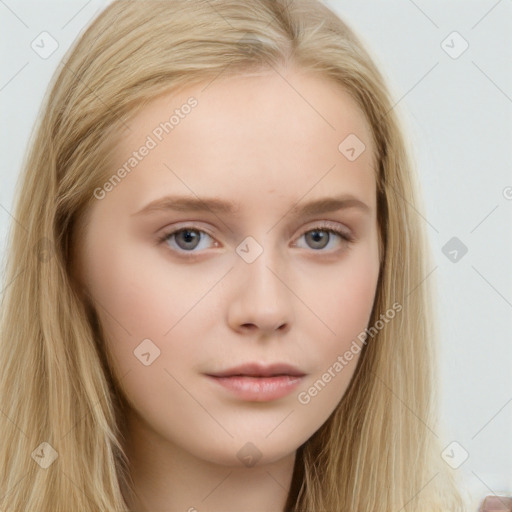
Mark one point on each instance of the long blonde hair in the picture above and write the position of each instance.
(380, 449)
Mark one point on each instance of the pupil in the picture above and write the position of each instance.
(188, 235)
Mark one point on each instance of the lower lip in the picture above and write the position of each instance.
(259, 389)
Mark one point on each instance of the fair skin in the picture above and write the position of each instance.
(265, 144)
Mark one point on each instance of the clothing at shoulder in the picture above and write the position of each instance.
(496, 504)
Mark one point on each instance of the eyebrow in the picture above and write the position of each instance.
(217, 205)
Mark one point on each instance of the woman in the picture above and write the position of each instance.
(267, 370)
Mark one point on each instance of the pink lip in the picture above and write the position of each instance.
(259, 389)
(259, 383)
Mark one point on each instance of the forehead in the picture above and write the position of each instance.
(283, 132)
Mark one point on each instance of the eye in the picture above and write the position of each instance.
(321, 236)
(185, 239)
(188, 239)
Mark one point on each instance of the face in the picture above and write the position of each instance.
(265, 254)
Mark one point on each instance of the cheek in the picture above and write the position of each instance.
(352, 298)
(145, 312)
(346, 300)
(344, 305)
(140, 294)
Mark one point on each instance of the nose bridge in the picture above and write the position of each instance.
(260, 261)
(261, 295)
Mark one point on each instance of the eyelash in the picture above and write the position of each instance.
(324, 226)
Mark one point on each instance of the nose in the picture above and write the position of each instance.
(261, 299)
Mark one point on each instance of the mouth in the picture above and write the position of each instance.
(260, 370)
(259, 383)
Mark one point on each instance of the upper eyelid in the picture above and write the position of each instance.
(318, 224)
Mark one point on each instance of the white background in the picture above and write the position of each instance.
(458, 112)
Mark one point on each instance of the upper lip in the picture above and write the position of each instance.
(260, 370)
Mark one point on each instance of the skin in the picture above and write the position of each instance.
(265, 142)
